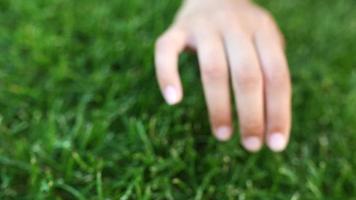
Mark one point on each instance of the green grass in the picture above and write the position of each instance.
(81, 116)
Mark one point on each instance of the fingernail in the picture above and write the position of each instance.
(277, 142)
(223, 133)
(171, 95)
(252, 143)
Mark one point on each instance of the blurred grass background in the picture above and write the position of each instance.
(81, 116)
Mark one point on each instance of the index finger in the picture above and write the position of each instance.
(167, 50)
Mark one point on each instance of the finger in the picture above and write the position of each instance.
(167, 50)
(215, 78)
(247, 83)
(277, 87)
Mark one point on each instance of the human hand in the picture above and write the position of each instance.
(233, 39)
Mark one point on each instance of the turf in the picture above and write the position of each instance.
(81, 116)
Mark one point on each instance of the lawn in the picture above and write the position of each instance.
(81, 116)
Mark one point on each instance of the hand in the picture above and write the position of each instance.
(240, 39)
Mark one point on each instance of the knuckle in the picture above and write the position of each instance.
(213, 70)
(220, 116)
(248, 79)
(162, 43)
(266, 18)
(278, 128)
(237, 28)
(277, 78)
(232, 26)
(267, 22)
(252, 128)
(226, 15)
(199, 23)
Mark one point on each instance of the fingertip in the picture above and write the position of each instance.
(277, 142)
(252, 144)
(223, 133)
(172, 95)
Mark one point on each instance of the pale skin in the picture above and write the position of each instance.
(236, 42)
